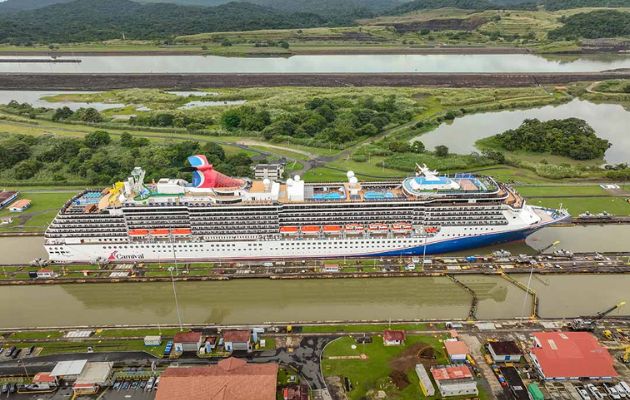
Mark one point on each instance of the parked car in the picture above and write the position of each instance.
(583, 394)
(5, 388)
(595, 391)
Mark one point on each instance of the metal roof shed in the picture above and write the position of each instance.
(96, 373)
(68, 369)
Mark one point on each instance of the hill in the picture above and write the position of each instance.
(594, 25)
(10, 6)
(95, 20)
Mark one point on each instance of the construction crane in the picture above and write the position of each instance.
(588, 323)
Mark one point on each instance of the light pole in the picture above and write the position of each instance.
(174, 253)
(179, 317)
(23, 366)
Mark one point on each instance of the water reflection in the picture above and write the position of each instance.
(373, 63)
(610, 121)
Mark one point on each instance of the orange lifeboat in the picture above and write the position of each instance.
(182, 231)
(159, 232)
(378, 229)
(402, 227)
(311, 229)
(138, 232)
(289, 230)
(431, 229)
(354, 229)
(333, 229)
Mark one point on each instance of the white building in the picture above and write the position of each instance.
(504, 351)
(68, 370)
(454, 380)
(268, 171)
(425, 382)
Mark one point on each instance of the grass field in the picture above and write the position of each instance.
(36, 218)
(372, 373)
(576, 206)
(369, 327)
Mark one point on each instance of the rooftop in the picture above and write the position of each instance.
(572, 355)
(187, 337)
(456, 347)
(391, 335)
(505, 348)
(239, 336)
(451, 372)
(67, 368)
(21, 203)
(230, 379)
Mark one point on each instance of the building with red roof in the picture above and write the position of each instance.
(237, 340)
(454, 380)
(230, 379)
(187, 341)
(571, 355)
(393, 338)
(456, 349)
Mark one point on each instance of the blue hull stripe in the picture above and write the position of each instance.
(462, 243)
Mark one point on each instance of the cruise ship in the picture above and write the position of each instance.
(219, 218)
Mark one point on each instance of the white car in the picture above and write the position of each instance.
(583, 394)
(595, 391)
(612, 392)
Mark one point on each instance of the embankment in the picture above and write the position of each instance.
(17, 81)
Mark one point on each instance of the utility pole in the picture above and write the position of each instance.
(179, 317)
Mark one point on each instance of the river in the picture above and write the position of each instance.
(259, 301)
(375, 63)
(610, 121)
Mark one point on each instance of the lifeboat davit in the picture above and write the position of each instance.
(311, 229)
(289, 230)
(333, 229)
(378, 229)
(354, 229)
(402, 227)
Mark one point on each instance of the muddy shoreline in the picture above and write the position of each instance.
(37, 81)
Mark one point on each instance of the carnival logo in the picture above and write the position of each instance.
(117, 256)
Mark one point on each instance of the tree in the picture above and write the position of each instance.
(97, 139)
(88, 115)
(231, 119)
(62, 113)
(441, 151)
(417, 147)
(12, 151)
(284, 44)
(126, 140)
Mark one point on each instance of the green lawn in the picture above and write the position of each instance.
(372, 373)
(578, 205)
(35, 219)
(119, 333)
(370, 328)
(561, 190)
(28, 335)
(49, 348)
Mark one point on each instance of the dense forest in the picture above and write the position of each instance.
(571, 137)
(100, 159)
(89, 20)
(593, 25)
(553, 5)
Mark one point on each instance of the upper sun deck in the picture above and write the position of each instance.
(426, 187)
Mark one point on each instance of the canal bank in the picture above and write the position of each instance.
(265, 301)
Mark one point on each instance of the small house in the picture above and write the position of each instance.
(7, 197)
(456, 349)
(44, 378)
(154, 340)
(20, 205)
(187, 341)
(237, 340)
(46, 274)
(454, 380)
(393, 337)
(504, 351)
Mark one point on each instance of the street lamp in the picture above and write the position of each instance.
(179, 318)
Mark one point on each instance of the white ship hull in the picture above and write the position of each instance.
(446, 240)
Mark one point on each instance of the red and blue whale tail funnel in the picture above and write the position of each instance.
(205, 176)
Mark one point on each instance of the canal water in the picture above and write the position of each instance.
(374, 63)
(610, 121)
(259, 301)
